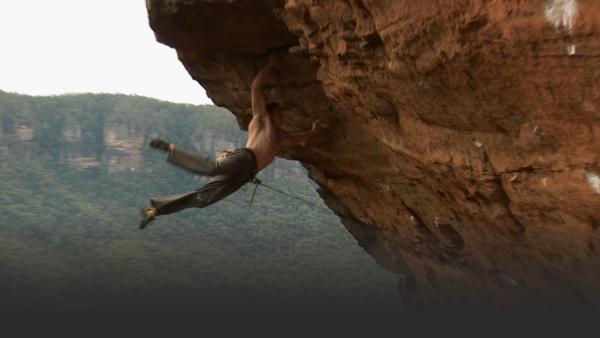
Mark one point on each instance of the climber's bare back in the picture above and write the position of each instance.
(264, 138)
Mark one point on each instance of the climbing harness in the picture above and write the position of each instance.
(258, 182)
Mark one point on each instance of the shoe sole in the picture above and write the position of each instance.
(145, 219)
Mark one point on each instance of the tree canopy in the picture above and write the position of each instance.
(75, 170)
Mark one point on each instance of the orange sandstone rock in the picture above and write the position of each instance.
(462, 146)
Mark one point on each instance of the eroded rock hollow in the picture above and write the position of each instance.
(462, 143)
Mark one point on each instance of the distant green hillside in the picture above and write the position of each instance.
(75, 170)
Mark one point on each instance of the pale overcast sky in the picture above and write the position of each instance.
(50, 47)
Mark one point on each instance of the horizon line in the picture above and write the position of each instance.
(105, 93)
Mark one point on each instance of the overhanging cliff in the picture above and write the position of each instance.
(463, 139)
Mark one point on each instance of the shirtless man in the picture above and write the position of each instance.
(235, 168)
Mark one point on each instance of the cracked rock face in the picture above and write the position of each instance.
(462, 143)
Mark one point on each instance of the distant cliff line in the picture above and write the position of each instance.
(110, 131)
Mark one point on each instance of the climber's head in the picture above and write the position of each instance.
(274, 111)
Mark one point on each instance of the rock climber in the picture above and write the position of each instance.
(232, 169)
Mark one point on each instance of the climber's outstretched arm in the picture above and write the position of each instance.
(291, 140)
(259, 101)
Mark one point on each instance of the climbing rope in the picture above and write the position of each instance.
(258, 182)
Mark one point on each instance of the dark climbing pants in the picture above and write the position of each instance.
(230, 174)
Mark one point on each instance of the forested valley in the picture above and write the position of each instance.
(76, 169)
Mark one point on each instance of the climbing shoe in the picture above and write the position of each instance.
(159, 144)
(148, 215)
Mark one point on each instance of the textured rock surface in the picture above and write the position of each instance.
(463, 139)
